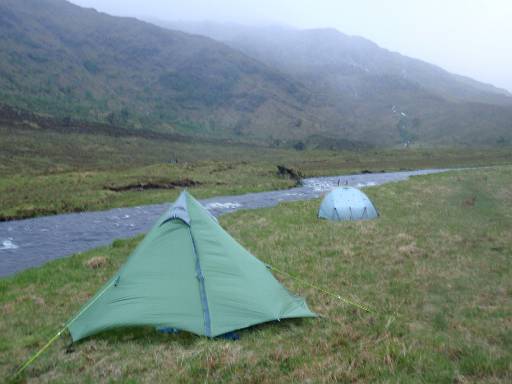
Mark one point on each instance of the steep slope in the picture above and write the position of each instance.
(330, 52)
(60, 59)
(381, 96)
(277, 86)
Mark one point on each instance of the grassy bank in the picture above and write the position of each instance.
(436, 267)
(44, 172)
(28, 196)
(31, 152)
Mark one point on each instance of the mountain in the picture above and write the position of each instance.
(327, 52)
(378, 93)
(61, 59)
(279, 86)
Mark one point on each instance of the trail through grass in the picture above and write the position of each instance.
(436, 267)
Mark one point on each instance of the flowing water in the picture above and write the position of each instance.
(32, 242)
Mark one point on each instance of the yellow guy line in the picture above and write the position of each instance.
(58, 334)
(335, 295)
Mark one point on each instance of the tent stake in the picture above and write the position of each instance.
(58, 334)
(38, 353)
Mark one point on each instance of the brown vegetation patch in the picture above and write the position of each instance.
(365, 227)
(470, 201)
(96, 262)
(410, 250)
(38, 300)
(291, 173)
(154, 185)
(8, 308)
(404, 237)
(452, 238)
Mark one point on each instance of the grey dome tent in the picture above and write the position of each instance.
(347, 203)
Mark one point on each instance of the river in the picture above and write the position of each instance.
(32, 242)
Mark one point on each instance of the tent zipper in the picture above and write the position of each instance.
(202, 289)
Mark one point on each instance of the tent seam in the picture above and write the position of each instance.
(202, 288)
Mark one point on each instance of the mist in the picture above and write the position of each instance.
(467, 37)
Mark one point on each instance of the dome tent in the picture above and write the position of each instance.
(347, 203)
(188, 274)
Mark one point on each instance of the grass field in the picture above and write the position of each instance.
(43, 172)
(92, 190)
(436, 267)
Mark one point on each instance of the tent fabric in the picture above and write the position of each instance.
(179, 210)
(347, 203)
(188, 274)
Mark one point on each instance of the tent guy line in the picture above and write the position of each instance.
(323, 290)
(271, 267)
(187, 273)
(58, 334)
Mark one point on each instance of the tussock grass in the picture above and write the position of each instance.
(437, 272)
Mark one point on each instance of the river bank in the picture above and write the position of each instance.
(32, 242)
(435, 268)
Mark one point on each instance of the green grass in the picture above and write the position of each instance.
(44, 172)
(81, 191)
(32, 151)
(436, 267)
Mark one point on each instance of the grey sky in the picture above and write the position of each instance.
(468, 37)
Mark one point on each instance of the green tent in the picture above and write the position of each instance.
(188, 274)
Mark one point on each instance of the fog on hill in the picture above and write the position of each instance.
(465, 37)
(277, 86)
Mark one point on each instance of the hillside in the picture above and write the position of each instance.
(60, 59)
(316, 53)
(378, 93)
(285, 87)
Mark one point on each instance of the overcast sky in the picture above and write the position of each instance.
(468, 37)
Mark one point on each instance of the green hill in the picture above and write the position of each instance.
(60, 59)
(290, 88)
(379, 96)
